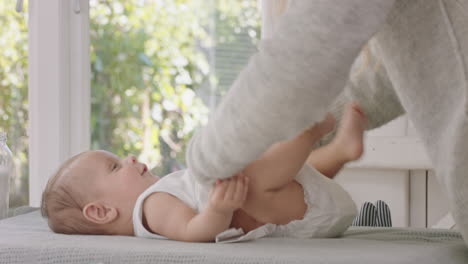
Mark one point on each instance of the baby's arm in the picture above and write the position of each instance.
(170, 217)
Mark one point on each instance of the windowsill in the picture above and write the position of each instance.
(12, 212)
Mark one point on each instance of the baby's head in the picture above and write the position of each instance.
(95, 192)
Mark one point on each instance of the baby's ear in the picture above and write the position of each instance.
(99, 213)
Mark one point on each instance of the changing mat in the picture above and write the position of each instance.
(27, 239)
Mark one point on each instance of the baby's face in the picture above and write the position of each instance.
(120, 181)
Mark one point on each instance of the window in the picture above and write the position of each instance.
(14, 95)
(158, 67)
(164, 48)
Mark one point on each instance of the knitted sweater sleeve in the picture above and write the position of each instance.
(287, 86)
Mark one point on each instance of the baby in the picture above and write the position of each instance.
(279, 194)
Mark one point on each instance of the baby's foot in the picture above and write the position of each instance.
(350, 135)
(325, 126)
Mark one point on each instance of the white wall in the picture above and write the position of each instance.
(396, 169)
(391, 186)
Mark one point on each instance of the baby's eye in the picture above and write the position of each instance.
(115, 166)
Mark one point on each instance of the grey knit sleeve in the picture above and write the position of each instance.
(369, 86)
(287, 85)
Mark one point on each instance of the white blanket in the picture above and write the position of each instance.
(27, 239)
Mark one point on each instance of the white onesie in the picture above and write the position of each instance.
(330, 209)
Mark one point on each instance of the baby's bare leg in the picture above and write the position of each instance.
(345, 147)
(274, 196)
(282, 162)
(281, 200)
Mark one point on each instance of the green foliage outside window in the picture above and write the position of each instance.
(14, 95)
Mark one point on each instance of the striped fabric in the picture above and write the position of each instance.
(374, 215)
(383, 214)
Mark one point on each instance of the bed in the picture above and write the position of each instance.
(26, 238)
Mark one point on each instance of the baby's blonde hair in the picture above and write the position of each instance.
(62, 205)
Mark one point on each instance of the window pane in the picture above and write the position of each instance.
(158, 67)
(14, 95)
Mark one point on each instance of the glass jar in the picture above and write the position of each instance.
(6, 172)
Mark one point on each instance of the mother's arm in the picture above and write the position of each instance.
(288, 85)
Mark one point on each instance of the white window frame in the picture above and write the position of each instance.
(59, 87)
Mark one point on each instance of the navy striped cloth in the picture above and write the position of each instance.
(374, 215)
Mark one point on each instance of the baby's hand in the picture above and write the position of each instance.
(228, 195)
